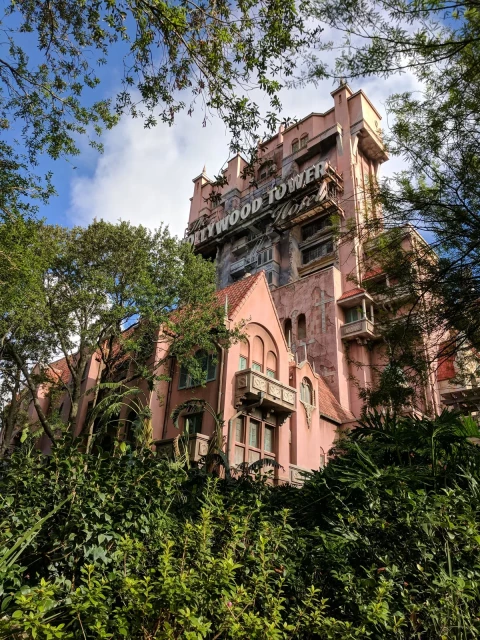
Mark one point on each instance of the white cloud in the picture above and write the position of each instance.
(145, 175)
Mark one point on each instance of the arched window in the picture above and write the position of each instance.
(301, 327)
(303, 140)
(288, 332)
(271, 365)
(206, 371)
(295, 145)
(306, 392)
(257, 354)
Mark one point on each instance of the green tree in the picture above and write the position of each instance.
(175, 55)
(119, 291)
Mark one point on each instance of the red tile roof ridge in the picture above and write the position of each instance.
(236, 294)
(351, 292)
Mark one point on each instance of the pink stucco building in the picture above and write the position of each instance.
(288, 390)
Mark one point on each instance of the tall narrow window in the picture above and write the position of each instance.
(271, 365)
(306, 391)
(295, 146)
(268, 439)
(240, 429)
(242, 363)
(193, 423)
(254, 436)
(301, 327)
(288, 331)
(304, 140)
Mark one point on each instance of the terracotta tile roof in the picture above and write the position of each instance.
(329, 405)
(237, 292)
(373, 273)
(350, 293)
(59, 371)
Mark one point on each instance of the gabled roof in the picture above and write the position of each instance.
(329, 405)
(236, 293)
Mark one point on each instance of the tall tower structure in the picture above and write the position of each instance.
(310, 180)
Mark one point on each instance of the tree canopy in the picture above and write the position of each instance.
(106, 289)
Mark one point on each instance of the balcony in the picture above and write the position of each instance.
(197, 447)
(363, 328)
(253, 385)
(237, 268)
(298, 475)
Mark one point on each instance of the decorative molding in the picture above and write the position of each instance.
(309, 408)
(241, 381)
(274, 390)
(288, 396)
(259, 383)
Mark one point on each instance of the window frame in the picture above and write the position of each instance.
(189, 382)
(306, 383)
(317, 245)
(198, 428)
(243, 448)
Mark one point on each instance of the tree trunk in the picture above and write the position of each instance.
(33, 392)
(11, 416)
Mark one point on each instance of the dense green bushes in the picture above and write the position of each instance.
(382, 544)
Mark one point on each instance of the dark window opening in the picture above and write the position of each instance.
(317, 251)
(301, 327)
(314, 227)
(288, 331)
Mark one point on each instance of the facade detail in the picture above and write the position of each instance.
(289, 388)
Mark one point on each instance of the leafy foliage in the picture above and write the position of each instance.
(381, 543)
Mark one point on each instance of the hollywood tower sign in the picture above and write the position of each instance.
(289, 190)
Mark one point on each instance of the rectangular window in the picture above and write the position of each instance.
(270, 373)
(242, 364)
(256, 366)
(303, 141)
(253, 456)
(239, 429)
(254, 434)
(208, 366)
(295, 146)
(193, 423)
(239, 455)
(352, 315)
(270, 277)
(314, 227)
(317, 251)
(268, 442)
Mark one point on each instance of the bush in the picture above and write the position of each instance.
(375, 546)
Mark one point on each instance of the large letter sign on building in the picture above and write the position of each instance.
(276, 194)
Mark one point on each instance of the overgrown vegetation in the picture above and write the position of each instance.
(383, 543)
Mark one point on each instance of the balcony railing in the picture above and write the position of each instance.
(197, 447)
(252, 385)
(298, 475)
(363, 328)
